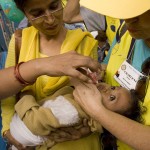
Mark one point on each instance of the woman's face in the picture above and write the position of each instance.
(51, 23)
(139, 27)
(117, 99)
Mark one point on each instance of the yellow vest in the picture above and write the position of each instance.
(112, 26)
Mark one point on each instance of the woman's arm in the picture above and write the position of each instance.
(132, 133)
(72, 12)
(53, 66)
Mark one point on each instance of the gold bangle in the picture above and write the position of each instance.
(19, 77)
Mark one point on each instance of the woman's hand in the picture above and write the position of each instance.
(67, 64)
(70, 133)
(88, 97)
(12, 141)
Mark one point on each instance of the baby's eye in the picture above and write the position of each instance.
(112, 97)
(113, 87)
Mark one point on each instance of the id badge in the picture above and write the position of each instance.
(127, 76)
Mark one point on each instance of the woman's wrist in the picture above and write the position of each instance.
(28, 71)
(46, 66)
(32, 69)
(18, 76)
(40, 67)
(98, 112)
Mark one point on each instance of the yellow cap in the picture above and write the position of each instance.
(122, 9)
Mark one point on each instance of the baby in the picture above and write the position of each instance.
(33, 120)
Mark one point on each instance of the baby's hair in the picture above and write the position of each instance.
(135, 112)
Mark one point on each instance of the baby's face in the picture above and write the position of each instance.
(117, 99)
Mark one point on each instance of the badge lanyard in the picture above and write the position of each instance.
(131, 51)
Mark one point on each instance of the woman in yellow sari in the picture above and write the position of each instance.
(48, 37)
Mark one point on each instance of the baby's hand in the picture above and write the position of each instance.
(70, 133)
(12, 141)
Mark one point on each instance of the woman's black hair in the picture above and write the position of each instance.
(101, 36)
(109, 141)
(20, 4)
